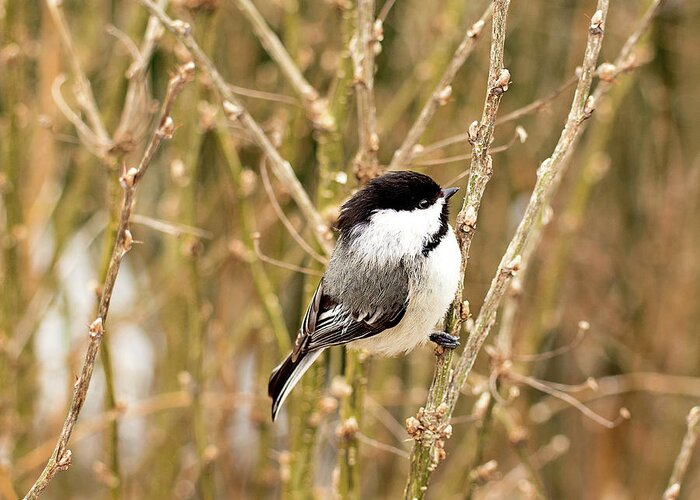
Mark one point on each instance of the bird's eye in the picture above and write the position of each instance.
(423, 204)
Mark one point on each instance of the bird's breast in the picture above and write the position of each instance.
(432, 290)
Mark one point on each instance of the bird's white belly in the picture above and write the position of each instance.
(430, 296)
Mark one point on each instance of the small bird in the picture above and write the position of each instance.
(391, 277)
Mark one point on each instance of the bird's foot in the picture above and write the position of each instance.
(445, 340)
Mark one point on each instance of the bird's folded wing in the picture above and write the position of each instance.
(328, 322)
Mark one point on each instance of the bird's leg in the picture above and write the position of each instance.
(445, 340)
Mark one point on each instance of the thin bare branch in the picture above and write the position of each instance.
(172, 228)
(283, 217)
(236, 113)
(386, 8)
(61, 456)
(583, 328)
(267, 96)
(430, 423)
(441, 93)
(546, 388)
(87, 137)
(84, 94)
(539, 104)
(135, 117)
(548, 177)
(316, 108)
(382, 446)
(616, 385)
(363, 48)
(518, 135)
(279, 263)
(684, 455)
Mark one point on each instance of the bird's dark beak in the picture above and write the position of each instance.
(447, 192)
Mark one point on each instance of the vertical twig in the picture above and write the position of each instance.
(363, 48)
(355, 374)
(684, 455)
(61, 456)
(548, 177)
(329, 154)
(13, 167)
(430, 429)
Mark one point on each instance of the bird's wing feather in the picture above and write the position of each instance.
(329, 322)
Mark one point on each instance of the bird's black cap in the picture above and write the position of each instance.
(402, 190)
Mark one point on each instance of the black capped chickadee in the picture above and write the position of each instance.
(390, 279)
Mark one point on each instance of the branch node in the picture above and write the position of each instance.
(607, 72)
(476, 28)
(501, 85)
(233, 111)
(597, 23)
(444, 95)
(128, 241)
(473, 132)
(182, 28)
(413, 427)
(347, 429)
(377, 34)
(167, 128)
(484, 473)
(672, 492)
(513, 266)
(65, 460)
(128, 180)
(467, 224)
(464, 311)
(96, 328)
(186, 71)
(588, 108)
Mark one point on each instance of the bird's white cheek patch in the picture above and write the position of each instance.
(397, 233)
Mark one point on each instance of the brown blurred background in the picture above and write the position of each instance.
(622, 253)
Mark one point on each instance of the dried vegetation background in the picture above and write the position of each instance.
(601, 325)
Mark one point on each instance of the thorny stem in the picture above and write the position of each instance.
(441, 93)
(236, 113)
(431, 428)
(363, 48)
(684, 455)
(61, 456)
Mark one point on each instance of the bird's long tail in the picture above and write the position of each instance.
(285, 377)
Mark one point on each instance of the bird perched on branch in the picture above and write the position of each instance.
(391, 278)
